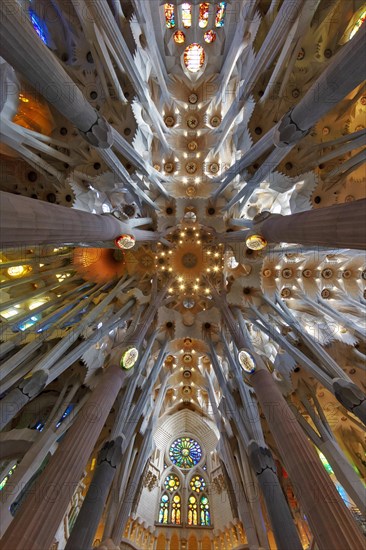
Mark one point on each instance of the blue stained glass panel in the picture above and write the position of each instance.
(185, 452)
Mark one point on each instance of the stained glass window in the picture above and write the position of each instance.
(220, 14)
(358, 24)
(203, 18)
(209, 37)
(176, 509)
(186, 15)
(29, 322)
(38, 25)
(185, 452)
(169, 16)
(6, 478)
(164, 509)
(171, 482)
(179, 37)
(325, 463)
(194, 57)
(204, 511)
(197, 484)
(192, 511)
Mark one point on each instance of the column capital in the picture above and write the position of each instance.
(350, 395)
(32, 385)
(260, 458)
(288, 132)
(99, 134)
(111, 452)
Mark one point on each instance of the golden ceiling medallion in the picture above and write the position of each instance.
(192, 122)
(191, 191)
(215, 121)
(214, 167)
(191, 167)
(192, 145)
(169, 121)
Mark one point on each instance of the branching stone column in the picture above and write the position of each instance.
(26, 221)
(330, 521)
(109, 460)
(344, 73)
(260, 458)
(338, 226)
(41, 514)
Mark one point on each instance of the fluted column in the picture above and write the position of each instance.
(40, 515)
(23, 49)
(339, 226)
(26, 221)
(109, 460)
(330, 521)
(260, 459)
(282, 523)
(91, 511)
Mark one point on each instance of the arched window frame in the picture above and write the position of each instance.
(206, 511)
(172, 470)
(198, 471)
(192, 513)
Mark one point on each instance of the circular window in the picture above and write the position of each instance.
(185, 452)
(327, 273)
(194, 57)
(171, 482)
(197, 484)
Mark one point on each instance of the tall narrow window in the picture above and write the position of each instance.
(192, 511)
(39, 26)
(220, 14)
(186, 15)
(203, 18)
(169, 16)
(204, 511)
(164, 509)
(176, 509)
(358, 24)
